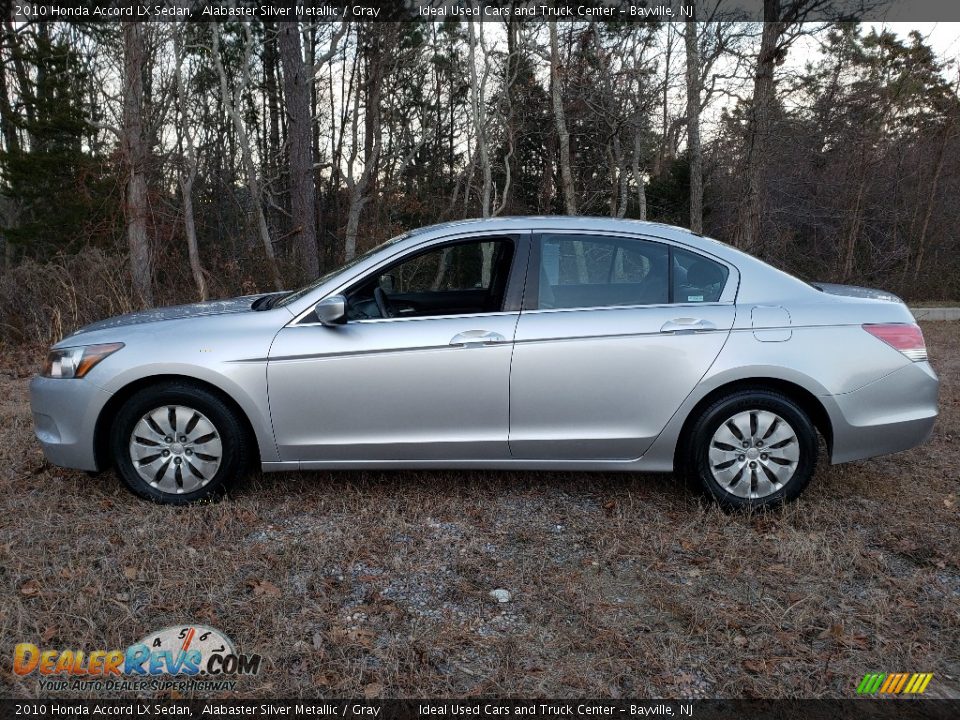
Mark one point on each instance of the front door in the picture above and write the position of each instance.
(419, 372)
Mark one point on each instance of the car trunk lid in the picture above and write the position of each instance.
(856, 291)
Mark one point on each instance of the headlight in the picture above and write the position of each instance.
(75, 362)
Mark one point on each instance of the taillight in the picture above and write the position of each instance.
(908, 339)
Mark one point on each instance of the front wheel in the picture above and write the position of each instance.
(177, 443)
(752, 449)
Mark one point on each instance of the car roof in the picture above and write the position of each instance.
(531, 222)
(574, 222)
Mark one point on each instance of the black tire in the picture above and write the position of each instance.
(696, 465)
(231, 433)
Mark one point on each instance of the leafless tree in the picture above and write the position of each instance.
(563, 134)
(231, 103)
(296, 85)
(694, 152)
(370, 65)
(783, 24)
(188, 170)
(136, 155)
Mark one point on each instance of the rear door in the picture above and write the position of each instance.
(615, 332)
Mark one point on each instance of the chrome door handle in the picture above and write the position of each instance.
(687, 325)
(476, 337)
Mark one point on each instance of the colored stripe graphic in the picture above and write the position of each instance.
(915, 681)
(901, 681)
(889, 682)
(870, 683)
(894, 683)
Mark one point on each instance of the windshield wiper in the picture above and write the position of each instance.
(265, 302)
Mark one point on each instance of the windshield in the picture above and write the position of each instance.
(297, 294)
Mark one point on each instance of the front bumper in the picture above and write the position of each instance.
(65, 415)
(892, 414)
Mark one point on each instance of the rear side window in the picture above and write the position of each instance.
(592, 271)
(695, 278)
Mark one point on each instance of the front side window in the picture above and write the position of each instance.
(593, 271)
(461, 278)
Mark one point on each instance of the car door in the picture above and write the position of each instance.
(615, 332)
(427, 382)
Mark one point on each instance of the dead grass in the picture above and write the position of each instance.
(623, 586)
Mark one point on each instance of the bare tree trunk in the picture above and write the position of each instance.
(478, 116)
(613, 165)
(231, 103)
(300, 147)
(11, 146)
(547, 184)
(338, 121)
(372, 86)
(661, 157)
(24, 86)
(638, 176)
(357, 201)
(135, 152)
(442, 267)
(932, 197)
(511, 66)
(190, 228)
(563, 135)
(758, 129)
(356, 187)
(272, 93)
(623, 176)
(853, 233)
(7, 118)
(189, 172)
(693, 123)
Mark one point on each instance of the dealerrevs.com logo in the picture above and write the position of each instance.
(183, 657)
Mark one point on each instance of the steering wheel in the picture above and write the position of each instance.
(381, 297)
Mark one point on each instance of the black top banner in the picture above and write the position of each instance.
(483, 10)
(339, 709)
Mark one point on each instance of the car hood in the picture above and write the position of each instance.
(856, 292)
(175, 312)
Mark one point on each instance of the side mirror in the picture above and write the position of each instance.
(332, 310)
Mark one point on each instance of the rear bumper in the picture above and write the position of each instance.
(64, 420)
(889, 415)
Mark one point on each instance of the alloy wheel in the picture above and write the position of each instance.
(176, 449)
(753, 454)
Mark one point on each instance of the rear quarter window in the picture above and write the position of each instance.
(697, 279)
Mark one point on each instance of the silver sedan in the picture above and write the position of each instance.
(519, 343)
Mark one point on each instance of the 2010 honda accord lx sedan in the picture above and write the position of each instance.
(519, 343)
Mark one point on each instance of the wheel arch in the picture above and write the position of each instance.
(805, 400)
(101, 433)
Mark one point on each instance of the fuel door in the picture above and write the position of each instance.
(771, 323)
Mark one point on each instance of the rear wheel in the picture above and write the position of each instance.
(177, 443)
(754, 448)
